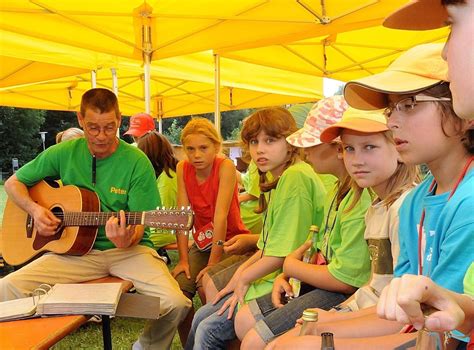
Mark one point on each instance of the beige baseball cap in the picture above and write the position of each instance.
(418, 15)
(415, 70)
(357, 120)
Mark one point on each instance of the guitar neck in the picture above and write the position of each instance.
(99, 218)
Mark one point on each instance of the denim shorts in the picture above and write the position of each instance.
(222, 272)
(272, 321)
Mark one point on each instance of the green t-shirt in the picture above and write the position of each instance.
(294, 205)
(251, 182)
(328, 181)
(124, 181)
(168, 189)
(341, 238)
(469, 281)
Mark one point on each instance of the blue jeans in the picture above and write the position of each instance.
(209, 330)
(272, 321)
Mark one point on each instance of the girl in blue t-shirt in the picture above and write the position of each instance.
(291, 203)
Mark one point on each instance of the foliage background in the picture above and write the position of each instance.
(20, 138)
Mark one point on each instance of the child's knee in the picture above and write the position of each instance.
(244, 321)
(252, 340)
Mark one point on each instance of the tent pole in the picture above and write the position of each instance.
(114, 81)
(217, 83)
(93, 79)
(146, 70)
(160, 114)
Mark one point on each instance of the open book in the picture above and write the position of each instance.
(65, 299)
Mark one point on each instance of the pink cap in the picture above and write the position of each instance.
(323, 114)
(140, 124)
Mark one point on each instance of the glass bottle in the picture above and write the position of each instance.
(310, 316)
(307, 258)
(429, 340)
(327, 341)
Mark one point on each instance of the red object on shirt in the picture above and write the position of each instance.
(203, 197)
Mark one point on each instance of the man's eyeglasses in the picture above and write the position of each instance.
(108, 130)
(408, 104)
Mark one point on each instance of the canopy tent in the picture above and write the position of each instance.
(106, 34)
(167, 28)
(344, 56)
(170, 96)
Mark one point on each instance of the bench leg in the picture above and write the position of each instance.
(106, 332)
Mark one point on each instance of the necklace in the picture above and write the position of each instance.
(422, 219)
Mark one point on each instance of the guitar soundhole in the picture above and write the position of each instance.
(40, 241)
(58, 212)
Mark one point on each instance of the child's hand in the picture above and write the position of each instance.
(230, 304)
(180, 268)
(402, 300)
(298, 253)
(203, 272)
(240, 244)
(280, 286)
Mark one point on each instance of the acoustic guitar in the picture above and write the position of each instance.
(79, 212)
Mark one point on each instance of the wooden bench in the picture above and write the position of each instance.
(42, 333)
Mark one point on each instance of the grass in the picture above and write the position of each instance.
(3, 200)
(125, 331)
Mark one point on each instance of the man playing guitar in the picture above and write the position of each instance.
(124, 180)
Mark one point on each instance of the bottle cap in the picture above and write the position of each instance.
(310, 315)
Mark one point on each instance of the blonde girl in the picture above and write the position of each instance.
(291, 203)
(206, 182)
(372, 161)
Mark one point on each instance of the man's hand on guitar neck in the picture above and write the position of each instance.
(121, 234)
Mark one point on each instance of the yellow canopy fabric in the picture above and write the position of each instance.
(344, 56)
(168, 28)
(266, 56)
(169, 96)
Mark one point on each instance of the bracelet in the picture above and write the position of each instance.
(342, 308)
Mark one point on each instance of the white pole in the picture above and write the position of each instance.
(146, 70)
(114, 81)
(93, 79)
(217, 83)
(160, 114)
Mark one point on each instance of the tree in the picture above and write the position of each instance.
(19, 135)
(173, 132)
(56, 121)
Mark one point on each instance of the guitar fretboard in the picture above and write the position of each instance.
(99, 218)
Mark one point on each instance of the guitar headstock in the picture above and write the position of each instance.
(170, 218)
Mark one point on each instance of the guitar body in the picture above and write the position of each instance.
(20, 242)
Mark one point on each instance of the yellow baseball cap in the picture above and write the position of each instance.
(357, 120)
(418, 15)
(415, 70)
